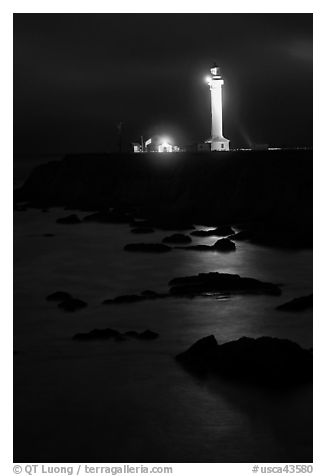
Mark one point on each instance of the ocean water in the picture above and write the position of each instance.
(131, 401)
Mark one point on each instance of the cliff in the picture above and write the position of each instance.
(206, 188)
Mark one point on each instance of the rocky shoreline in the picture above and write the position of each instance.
(202, 189)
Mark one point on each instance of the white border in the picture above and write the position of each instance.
(204, 6)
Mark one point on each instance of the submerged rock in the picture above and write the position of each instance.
(72, 304)
(58, 296)
(264, 361)
(69, 220)
(148, 247)
(177, 238)
(211, 283)
(298, 304)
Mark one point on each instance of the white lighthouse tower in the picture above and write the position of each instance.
(215, 82)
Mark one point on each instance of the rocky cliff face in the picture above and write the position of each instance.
(274, 186)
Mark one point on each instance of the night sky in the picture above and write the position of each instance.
(76, 76)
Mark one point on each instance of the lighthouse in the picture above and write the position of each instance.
(215, 82)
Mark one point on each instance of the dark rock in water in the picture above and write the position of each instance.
(58, 296)
(148, 247)
(48, 235)
(298, 304)
(177, 238)
(264, 361)
(69, 220)
(66, 301)
(128, 298)
(132, 298)
(224, 230)
(201, 354)
(142, 230)
(224, 245)
(120, 338)
(220, 245)
(103, 334)
(98, 334)
(148, 335)
(132, 334)
(114, 216)
(211, 283)
(72, 304)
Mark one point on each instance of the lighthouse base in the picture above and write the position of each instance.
(220, 144)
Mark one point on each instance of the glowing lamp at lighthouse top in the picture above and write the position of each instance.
(216, 71)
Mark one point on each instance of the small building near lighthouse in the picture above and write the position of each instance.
(155, 144)
(160, 144)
